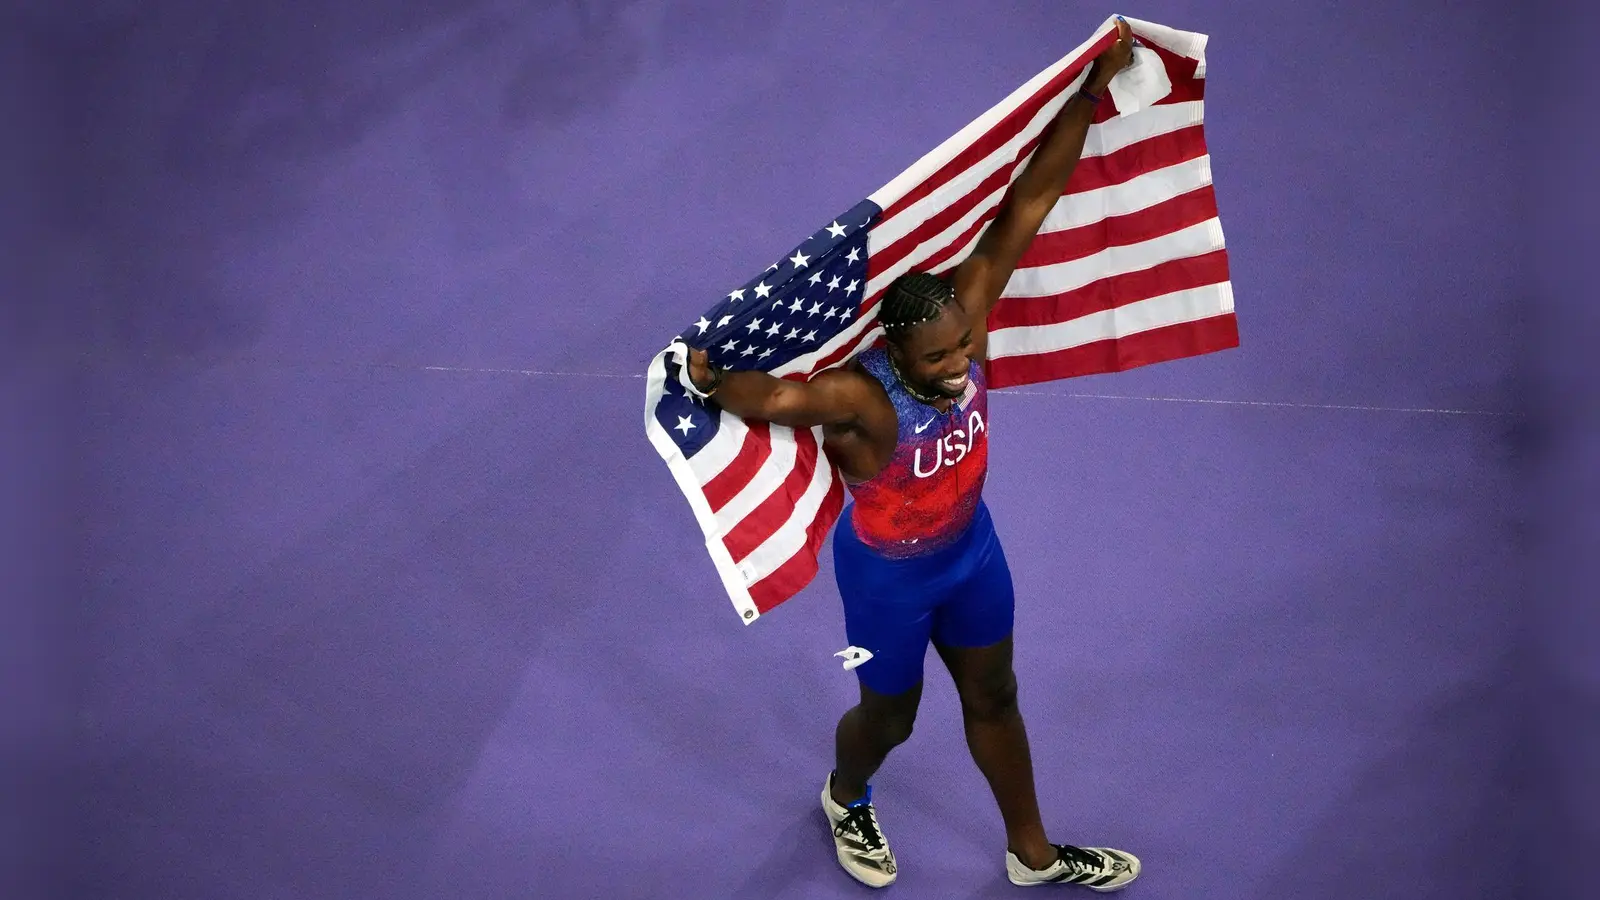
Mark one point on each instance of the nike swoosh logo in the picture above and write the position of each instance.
(924, 426)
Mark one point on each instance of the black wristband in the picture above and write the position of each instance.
(716, 379)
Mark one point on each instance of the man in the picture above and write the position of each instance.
(916, 555)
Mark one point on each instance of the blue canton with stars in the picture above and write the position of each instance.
(793, 308)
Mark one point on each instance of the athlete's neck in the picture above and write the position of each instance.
(940, 403)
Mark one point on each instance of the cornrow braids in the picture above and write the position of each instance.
(913, 299)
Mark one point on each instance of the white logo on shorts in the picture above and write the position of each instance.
(854, 656)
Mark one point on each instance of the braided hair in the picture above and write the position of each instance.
(912, 299)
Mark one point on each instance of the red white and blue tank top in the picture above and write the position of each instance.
(926, 496)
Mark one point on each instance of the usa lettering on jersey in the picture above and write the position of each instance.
(951, 449)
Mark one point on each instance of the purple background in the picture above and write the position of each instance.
(385, 594)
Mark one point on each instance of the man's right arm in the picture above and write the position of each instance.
(832, 398)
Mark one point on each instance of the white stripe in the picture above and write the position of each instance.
(721, 449)
(1071, 211)
(1102, 139)
(716, 453)
(1157, 312)
(1121, 132)
(937, 244)
(1058, 278)
(936, 158)
(774, 469)
(897, 227)
(1137, 194)
(790, 538)
(1143, 191)
(732, 582)
(1183, 43)
(1140, 192)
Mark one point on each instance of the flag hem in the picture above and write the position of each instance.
(678, 465)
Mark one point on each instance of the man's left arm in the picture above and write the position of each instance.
(982, 276)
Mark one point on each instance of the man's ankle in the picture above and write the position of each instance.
(1035, 856)
(844, 794)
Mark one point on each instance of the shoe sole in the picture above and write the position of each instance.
(1098, 890)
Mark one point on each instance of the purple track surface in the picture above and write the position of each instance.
(387, 595)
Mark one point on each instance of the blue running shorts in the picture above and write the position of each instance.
(958, 596)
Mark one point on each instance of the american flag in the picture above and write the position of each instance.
(1129, 269)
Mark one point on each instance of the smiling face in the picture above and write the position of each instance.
(934, 356)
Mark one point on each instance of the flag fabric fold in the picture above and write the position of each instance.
(1129, 269)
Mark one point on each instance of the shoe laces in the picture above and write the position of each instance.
(1079, 859)
(860, 821)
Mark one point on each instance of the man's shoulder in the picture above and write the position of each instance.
(851, 376)
(866, 393)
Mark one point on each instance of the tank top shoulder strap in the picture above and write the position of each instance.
(875, 362)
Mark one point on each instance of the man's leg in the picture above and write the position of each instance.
(999, 743)
(891, 689)
(865, 735)
(972, 633)
(886, 613)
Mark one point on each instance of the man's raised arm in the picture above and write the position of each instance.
(982, 276)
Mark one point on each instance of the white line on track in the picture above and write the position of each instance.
(1074, 396)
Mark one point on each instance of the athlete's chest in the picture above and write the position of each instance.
(932, 441)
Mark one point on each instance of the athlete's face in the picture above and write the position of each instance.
(934, 356)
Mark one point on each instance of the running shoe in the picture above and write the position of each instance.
(860, 844)
(1097, 868)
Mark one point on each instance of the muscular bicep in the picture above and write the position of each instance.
(835, 397)
(977, 291)
(983, 275)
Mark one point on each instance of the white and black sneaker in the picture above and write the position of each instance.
(861, 847)
(1097, 868)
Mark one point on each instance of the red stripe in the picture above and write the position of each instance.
(935, 224)
(1146, 224)
(1105, 110)
(1007, 128)
(944, 254)
(1089, 173)
(1112, 292)
(1180, 71)
(791, 577)
(1220, 332)
(1128, 163)
(1184, 88)
(1121, 166)
(768, 516)
(869, 337)
(845, 351)
(755, 449)
(1092, 172)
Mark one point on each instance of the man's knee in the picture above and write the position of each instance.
(992, 695)
(891, 721)
(894, 730)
